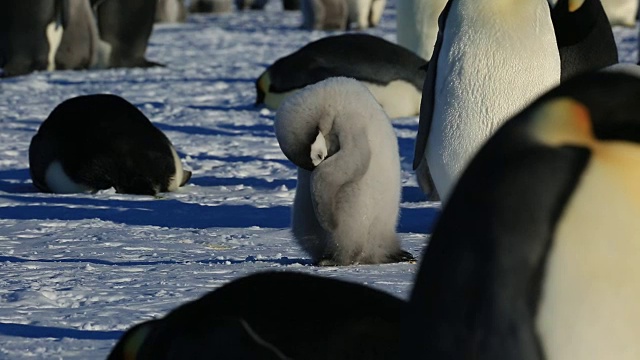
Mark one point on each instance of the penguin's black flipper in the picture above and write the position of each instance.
(428, 92)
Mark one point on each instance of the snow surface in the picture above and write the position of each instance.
(78, 270)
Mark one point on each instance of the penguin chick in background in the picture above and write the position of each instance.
(348, 194)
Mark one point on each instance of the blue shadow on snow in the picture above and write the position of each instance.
(38, 332)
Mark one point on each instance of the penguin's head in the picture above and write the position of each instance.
(539, 231)
(304, 123)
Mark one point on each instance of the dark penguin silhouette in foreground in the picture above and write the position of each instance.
(584, 36)
(347, 198)
(283, 315)
(393, 74)
(95, 142)
(535, 255)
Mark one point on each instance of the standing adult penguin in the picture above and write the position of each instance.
(251, 4)
(365, 13)
(324, 14)
(95, 142)
(211, 6)
(584, 36)
(348, 195)
(491, 59)
(80, 45)
(30, 33)
(126, 26)
(619, 12)
(393, 74)
(171, 11)
(417, 25)
(535, 255)
(291, 5)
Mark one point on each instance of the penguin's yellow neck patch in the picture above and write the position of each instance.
(574, 5)
(589, 303)
(135, 341)
(563, 122)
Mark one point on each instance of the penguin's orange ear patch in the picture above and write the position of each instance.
(561, 122)
(574, 5)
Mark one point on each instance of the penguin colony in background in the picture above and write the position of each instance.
(393, 74)
(95, 142)
(521, 264)
(348, 193)
(64, 34)
(530, 267)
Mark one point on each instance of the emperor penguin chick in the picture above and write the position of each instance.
(348, 194)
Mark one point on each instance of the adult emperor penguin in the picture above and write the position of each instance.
(171, 11)
(291, 5)
(491, 59)
(30, 33)
(341, 320)
(348, 193)
(619, 12)
(211, 6)
(393, 74)
(365, 13)
(126, 26)
(96, 142)
(584, 36)
(324, 14)
(535, 255)
(251, 4)
(417, 25)
(80, 45)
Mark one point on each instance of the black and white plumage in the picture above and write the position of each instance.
(95, 142)
(584, 37)
(535, 253)
(126, 25)
(348, 194)
(30, 33)
(274, 315)
(393, 74)
(491, 59)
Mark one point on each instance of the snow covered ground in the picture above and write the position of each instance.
(78, 270)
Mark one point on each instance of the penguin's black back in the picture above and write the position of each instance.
(103, 141)
(585, 39)
(303, 316)
(360, 56)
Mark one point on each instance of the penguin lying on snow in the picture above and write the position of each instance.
(539, 264)
(393, 74)
(584, 36)
(491, 59)
(535, 255)
(94, 142)
(277, 315)
(348, 193)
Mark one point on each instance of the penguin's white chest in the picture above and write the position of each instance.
(59, 182)
(492, 64)
(589, 308)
